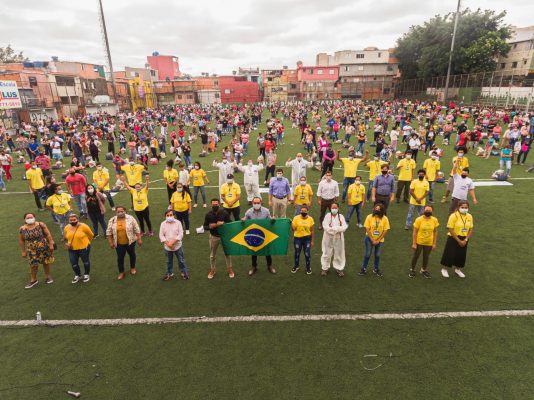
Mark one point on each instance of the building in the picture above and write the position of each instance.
(168, 67)
(252, 74)
(238, 89)
(317, 82)
(520, 58)
(364, 74)
(175, 92)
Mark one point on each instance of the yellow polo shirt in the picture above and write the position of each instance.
(230, 192)
(376, 226)
(302, 226)
(60, 203)
(431, 167)
(419, 188)
(375, 168)
(350, 166)
(170, 176)
(134, 173)
(99, 177)
(355, 194)
(35, 176)
(180, 203)
(406, 169)
(460, 223)
(303, 194)
(140, 199)
(197, 177)
(425, 230)
(462, 164)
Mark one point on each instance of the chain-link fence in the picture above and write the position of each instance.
(502, 89)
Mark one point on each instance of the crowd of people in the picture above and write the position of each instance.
(403, 134)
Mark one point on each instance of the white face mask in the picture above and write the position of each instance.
(303, 183)
(250, 163)
(90, 191)
(230, 181)
(225, 161)
(132, 163)
(169, 219)
(256, 206)
(408, 157)
(197, 167)
(334, 211)
(179, 190)
(357, 182)
(460, 155)
(299, 158)
(434, 157)
(30, 221)
(463, 210)
(279, 176)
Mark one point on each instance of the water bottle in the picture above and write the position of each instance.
(38, 316)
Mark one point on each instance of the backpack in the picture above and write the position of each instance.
(109, 156)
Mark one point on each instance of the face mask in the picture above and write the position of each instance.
(30, 221)
(90, 191)
(74, 223)
(384, 172)
(421, 177)
(464, 176)
(34, 166)
(197, 167)
(99, 168)
(137, 189)
(169, 219)
(408, 157)
(131, 163)
(357, 182)
(225, 161)
(299, 158)
(250, 164)
(303, 183)
(351, 158)
(279, 177)
(59, 192)
(304, 214)
(215, 208)
(434, 157)
(463, 210)
(179, 190)
(427, 213)
(256, 206)
(334, 211)
(375, 158)
(378, 213)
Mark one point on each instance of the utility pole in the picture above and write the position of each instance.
(106, 45)
(456, 17)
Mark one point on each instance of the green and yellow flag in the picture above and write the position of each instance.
(256, 237)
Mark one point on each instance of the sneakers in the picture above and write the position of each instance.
(360, 226)
(86, 278)
(184, 275)
(168, 277)
(426, 274)
(121, 276)
(231, 274)
(49, 280)
(444, 199)
(133, 271)
(252, 271)
(151, 233)
(271, 269)
(362, 272)
(76, 279)
(31, 284)
(324, 272)
(187, 232)
(444, 272)
(412, 274)
(378, 273)
(308, 271)
(112, 208)
(459, 272)
(195, 205)
(341, 274)
(294, 270)
(211, 274)
(97, 235)
(204, 205)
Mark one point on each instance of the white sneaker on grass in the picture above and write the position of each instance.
(75, 279)
(444, 272)
(86, 278)
(187, 232)
(459, 272)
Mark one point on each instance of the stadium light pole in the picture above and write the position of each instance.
(456, 17)
(106, 45)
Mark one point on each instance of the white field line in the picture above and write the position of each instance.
(269, 318)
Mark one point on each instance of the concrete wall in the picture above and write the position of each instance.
(368, 69)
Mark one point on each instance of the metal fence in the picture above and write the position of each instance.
(502, 89)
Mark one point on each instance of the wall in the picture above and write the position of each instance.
(235, 89)
(167, 66)
(368, 69)
(318, 73)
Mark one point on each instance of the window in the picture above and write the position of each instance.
(360, 55)
(360, 67)
(524, 62)
(386, 90)
(503, 65)
(227, 91)
(269, 79)
(310, 71)
(293, 86)
(514, 64)
(64, 81)
(319, 84)
(319, 72)
(215, 83)
(379, 55)
(84, 85)
(179, 96)
(93, 86)
(32, 80)
(152, 72)
(217, 95)
(83, 67)
(389, 68)
(347, 68)
(331, 72)
(515, 45)
(189, 96)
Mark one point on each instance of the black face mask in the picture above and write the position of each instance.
(74, 223)
(303, 214)
(378, 213)
(421, 178)
(464, 176)
(427, 213)
(384, 172)
(215, 208)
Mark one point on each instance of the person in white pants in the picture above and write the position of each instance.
(333, 244)
(251, 178)
(298, 170)
(225, 168)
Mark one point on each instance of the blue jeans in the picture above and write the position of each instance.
(351, 210)
(299, 244)
(411, 210)
(121, 250)
(361, 147)
(181, 260)
(75, 255)
(79, 199)
(369, 189)
(431, 191)
(98, 218)
(2, 183)
(346, 183)
(188, 161)
(63, 220)
(202, 192)
(367, 256)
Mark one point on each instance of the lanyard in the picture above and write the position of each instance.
(464, 221)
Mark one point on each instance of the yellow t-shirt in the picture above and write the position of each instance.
(431, 167)
(425, 230)
(35, 176)
(122, 236)
(60, 203)
(170, 176)
(140, 199)
(303, 194)
(462, 164)
(375, 168)
(197, 177)
(355, 194)
(180, 203)
(230, 193)
(99, 177)
(419, 188)
(406, 169)
(134, 173)
(302, 226)
(78, 237)
(350, 166)
(376, 226)
(461, 224)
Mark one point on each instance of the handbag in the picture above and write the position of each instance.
(68, 245)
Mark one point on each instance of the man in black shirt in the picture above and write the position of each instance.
(213, 219)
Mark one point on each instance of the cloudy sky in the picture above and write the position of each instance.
(218, 36)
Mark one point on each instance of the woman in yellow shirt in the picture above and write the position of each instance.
(376, 228)
(355, 200)
(199, 179)
(181, 205)
(170, 175)
(140, 205)
(78, 237)
(303, 195)
(424, 238)
(460, 227)
(302, 227)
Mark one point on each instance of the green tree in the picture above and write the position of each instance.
(8, 55)
(424, 50)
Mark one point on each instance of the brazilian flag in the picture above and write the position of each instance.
(256, 237)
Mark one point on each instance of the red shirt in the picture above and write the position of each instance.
(43, 161)
(76, 183)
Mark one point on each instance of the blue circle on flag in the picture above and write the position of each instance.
(254, 237)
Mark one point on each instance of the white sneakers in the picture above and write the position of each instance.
(75, 279)
(86, 278)
(187, 232)
(457, 271)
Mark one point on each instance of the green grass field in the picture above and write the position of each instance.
(484, 358)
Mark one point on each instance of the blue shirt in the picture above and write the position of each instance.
(34, 147)
(384, 185)
(279, 187)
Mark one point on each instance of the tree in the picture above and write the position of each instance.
(8, 55)
(424, 50)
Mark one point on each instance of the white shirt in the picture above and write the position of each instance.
(250, 173)
(328, 190)
(462, 186)
(183, 177)
(394, 135)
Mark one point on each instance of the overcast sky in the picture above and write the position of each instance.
(218, 36)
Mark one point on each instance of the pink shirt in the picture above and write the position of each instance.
(171, 231)
(76, 183)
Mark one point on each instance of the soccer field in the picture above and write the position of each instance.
(468, 358)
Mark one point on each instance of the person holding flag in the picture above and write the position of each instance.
(259, 212)
(212, 221)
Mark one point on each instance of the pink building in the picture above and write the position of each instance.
(237, 89)
(317, 82)
(167, 66)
